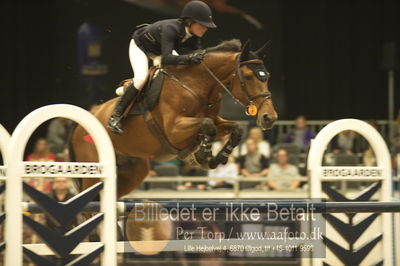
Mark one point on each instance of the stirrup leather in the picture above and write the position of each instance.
(114, 124)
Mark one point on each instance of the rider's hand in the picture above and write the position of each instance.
(196, 57)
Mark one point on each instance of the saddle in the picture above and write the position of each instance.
(148, 97)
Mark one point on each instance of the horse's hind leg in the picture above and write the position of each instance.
(131, 172)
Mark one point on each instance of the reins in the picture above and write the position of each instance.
(200, 99)
(220, 83)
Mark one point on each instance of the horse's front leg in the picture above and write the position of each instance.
(225, 127)
(205, 131)
(207, 135)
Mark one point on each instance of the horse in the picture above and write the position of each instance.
(185, 120)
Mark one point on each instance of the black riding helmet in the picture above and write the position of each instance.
(199, 12)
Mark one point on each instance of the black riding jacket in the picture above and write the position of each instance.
(163, 36)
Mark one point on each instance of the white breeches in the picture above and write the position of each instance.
(140, 65)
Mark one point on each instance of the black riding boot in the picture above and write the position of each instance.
(114, 123)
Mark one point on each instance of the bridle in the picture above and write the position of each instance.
(243, 85)
(239, 73)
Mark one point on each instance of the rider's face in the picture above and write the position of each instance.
(197, 29)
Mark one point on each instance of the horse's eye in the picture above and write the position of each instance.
(248, 77)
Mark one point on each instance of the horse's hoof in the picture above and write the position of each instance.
(223, 160)
(212, 164)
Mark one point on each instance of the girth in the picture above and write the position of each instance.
(165, 144)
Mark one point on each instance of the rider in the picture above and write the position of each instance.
(163, 38)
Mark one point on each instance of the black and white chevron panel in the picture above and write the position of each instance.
(351, 231)
(63, 241)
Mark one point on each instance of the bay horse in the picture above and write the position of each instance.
(185, 121)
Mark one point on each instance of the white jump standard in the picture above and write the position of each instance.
(16, 171)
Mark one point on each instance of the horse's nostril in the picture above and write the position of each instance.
(266, 118)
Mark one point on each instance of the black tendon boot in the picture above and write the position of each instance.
(114, 123)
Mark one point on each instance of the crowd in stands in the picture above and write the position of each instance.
(255, 158)
(280, 161)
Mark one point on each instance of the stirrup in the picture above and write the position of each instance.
(114, 124)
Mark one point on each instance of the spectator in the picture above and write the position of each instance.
(58, 136)
(301, 135)
(191, 170)
(154, 164)
(230, 169)
(345, 142)
(60, 192)
(256, 134)
(253, 164)
(369, 158)
(283, 173)
(219, 144)
(41, 154)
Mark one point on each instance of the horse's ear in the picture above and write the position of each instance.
(244, 54)
(263, 51)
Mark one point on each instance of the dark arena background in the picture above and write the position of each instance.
(325, 61)
(328, 60)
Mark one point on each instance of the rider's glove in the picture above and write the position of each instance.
(196, 57)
